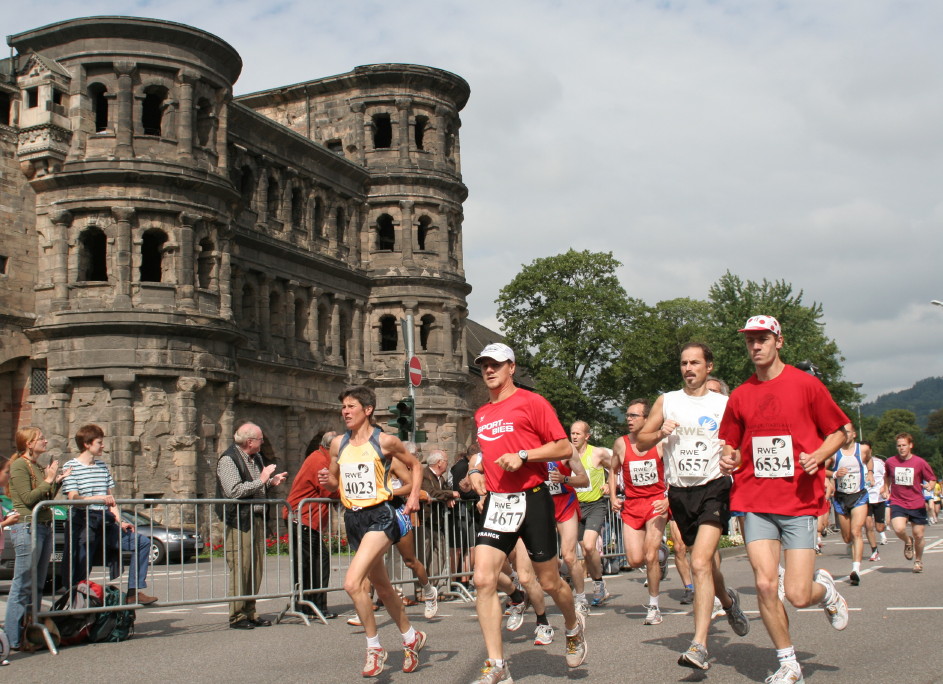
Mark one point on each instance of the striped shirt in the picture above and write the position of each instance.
(88, 480)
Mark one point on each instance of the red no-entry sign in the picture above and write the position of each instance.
(415, 371)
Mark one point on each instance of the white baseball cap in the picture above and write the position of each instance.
(762, 323)
(497, 351)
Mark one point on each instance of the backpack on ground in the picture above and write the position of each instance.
(116, 625)
(75, 628)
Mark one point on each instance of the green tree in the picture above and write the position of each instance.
(935, 423)
(893, 422)
(733, 301)
(564, 315)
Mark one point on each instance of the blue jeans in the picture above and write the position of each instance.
(20, 596)
(140, 548)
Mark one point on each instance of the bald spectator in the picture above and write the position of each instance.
(315, 557)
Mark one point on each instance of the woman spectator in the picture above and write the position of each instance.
(29, 484)
(7, 518)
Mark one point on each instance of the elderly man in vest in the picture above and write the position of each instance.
(242, 476)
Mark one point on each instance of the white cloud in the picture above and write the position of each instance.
(797, 141)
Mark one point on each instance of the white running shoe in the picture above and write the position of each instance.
(492, 674)
(653, 617)
(543, 635)
(786, 674)
(432, 602)
(718, 609)
(516, 615)
(836, 610)
(781, 588)
(875, 556)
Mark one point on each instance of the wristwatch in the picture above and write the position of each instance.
(523, 455)
(566, 480)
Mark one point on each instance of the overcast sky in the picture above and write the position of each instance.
(783, 140)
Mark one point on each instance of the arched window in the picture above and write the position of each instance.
(96, 93)
(204, 122)
(276, 316)
(301, 320)
(425, 225)
(297, 204)
(206, 265)
(382, 131)
(389, 336)
(341, 226)
(246, 184)
(317, 218)
(272, 198)
(152, 109)
(152, 253)
(93, 265)
(425, 331)
(422, 123)
(386, 234)
(248, 305)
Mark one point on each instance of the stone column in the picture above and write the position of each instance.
(442, 115)
(186, 440)
(227, 426)
(58, 431)
(185, 81)
(264, 315)
(61, 220)
(295, 442)
(122, 255)
(186, 273)
(359, 137)
(124, 124)
(355, 358)
(291, 291)
(402, 108)
(224, 95)
(225, 276)
(121, 437)
(313, 342)
(336, 357)
(366, 337)
(406, 230)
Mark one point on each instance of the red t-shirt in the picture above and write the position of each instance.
(761, 420)
(906, 480)
(522, 421)
(638, 470)
(306, 486)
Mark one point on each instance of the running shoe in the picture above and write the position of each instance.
(836, 610)
(718, 609)
(818, 549)
(354, 621)
(875, 556)
(909, 549)
(695, 657)
(516, 615)
(653, 617)
(688, 597)
(543, 635)
(601, 595)
(854, 579)
(376, 657)
(582, 607)
(411, 652)
(786, 674)
(883, 540)
(492, 674)
(918, 566)
(663, 555)
(432, 602)
(738, 621)
(781, 585)
(576, 647)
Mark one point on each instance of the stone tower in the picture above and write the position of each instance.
(176, 262)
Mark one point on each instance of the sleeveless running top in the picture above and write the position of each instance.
(597, 478)
(692, 452)
(854, 480)
(365, 473)
(642, 476)
(558, 488)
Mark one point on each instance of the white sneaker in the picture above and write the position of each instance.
(836, 610)
(543, 635)
(582, 607)
(781, 588)
(786, 674)
(653, 617)
(718, 609)
(516, 615)
(432, 603)
(354, 621)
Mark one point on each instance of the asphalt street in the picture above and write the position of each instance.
(893, 634)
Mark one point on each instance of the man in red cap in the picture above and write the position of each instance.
(779, 428)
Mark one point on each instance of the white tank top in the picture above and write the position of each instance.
(692, 452)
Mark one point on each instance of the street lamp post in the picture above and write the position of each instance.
(859, 385)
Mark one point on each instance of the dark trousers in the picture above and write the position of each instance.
(315, 564)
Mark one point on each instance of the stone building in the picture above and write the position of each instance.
(175, 260)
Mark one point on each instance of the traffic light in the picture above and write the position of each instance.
(403, 417)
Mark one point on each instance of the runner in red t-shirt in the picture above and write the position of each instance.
(779, 428)
(906, 477)
(519, 433)
(645, 509)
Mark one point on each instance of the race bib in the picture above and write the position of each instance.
(773, 456)
(505, 512)
(554, 488)
(849, 483)
(904, 477)
(693, 456)
(644, 473)
(359, 481)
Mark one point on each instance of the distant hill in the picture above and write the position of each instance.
(923, 398)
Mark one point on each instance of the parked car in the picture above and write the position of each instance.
(176, 542)
(8, 557)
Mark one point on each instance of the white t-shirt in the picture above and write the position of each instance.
(874, 492)
(692, 452)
